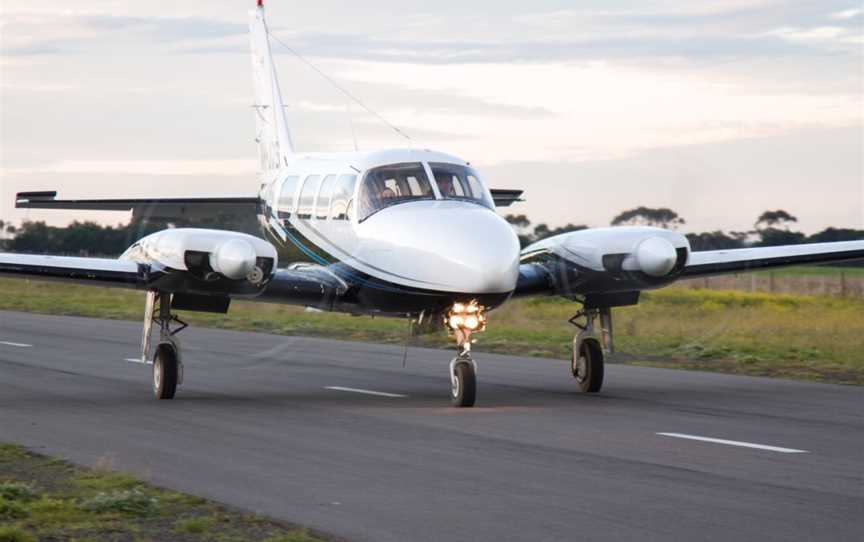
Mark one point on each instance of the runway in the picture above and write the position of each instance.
(338, 436)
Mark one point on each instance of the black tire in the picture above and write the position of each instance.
(464, 392)
(165, 371)
(587, 366)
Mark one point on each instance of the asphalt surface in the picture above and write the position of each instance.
(255, 426)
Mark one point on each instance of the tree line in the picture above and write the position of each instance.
(771, 228)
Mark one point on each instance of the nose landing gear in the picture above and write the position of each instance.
(462, 320)
(463, 375)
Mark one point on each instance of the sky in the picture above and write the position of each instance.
(717, 110)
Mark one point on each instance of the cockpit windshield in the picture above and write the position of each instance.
(392, 184)
(460, 182)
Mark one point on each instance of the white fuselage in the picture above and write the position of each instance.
(453, 245)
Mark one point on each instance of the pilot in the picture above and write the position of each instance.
(445, 185)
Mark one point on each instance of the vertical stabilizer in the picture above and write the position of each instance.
(273, 137)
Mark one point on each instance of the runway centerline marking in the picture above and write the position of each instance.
(18, 345)
(364, 392)
(736, 443)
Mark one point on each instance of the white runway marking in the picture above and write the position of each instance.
(736, 443)
(365, 392)
(19, 345)
(136, 360)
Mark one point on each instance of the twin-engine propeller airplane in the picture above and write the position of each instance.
(401, 232)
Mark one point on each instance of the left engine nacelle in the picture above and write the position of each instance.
(209, 262)
(606, 260)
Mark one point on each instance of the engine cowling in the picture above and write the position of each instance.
(615, 259)
(210, 262)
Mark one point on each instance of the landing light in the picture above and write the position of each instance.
(472, 323)
(466, 317)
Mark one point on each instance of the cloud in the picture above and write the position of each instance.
(846, 14)
(28, 34)
(142, 167)
(370, 48)
(830, 37)
(167, 28)
(682, 12)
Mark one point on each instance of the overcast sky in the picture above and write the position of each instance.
(718, 111)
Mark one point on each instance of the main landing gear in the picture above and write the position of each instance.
(590, 347)
(167, 362)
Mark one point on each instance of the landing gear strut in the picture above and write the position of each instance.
(589, 348)
(167, 362)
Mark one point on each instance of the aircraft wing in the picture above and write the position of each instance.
(306, 285)
(95, 271)
(717, 262)
(612, 265)
(151, 208)
(202, 268)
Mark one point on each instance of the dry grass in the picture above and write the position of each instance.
(810, 337)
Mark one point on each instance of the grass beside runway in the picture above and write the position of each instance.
(47, 499)
(803, 337)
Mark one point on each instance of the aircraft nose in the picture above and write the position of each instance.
(480, 253)
(447, 246)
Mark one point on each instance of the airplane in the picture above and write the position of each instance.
(407, 233)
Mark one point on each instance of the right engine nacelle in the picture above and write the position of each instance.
(206, 262)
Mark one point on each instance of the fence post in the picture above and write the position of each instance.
(842, 283)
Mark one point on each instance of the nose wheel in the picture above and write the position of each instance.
(463, 382)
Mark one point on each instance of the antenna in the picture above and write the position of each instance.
(351, 122)
(341, 89)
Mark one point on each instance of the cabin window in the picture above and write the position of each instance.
(391, 185)
(323, 205)
(286, 196)
(341, 202)
(462, 183)
(307, 196)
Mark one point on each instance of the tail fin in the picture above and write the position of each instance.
(273, 137)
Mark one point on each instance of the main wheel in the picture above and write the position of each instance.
(463, 388)
(587, 366)
(165, 371)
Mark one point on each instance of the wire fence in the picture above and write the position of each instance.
(840, 284)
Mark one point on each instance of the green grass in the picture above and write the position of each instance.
(806, 337)
(52, 500)
(815, 271)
